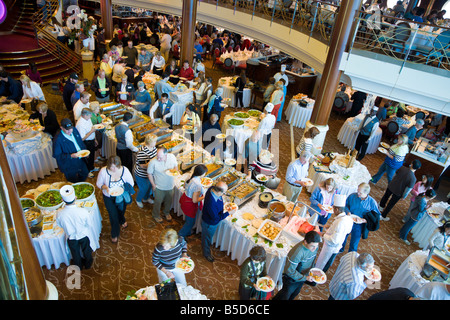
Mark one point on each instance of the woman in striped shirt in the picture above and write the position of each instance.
(146, 152)
(306, 143)
(394, 159)
(167, 251)
(264, 165)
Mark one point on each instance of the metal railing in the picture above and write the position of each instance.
(401, 39)
(41, 21)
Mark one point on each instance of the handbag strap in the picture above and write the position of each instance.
(253, 268)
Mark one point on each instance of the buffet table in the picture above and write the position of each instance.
(228, 92)
(347, 179)
(347, 135)
(423, 229)
(51, 248)
(298, 116)
(185, 292)
(408, 274)
(30, 159)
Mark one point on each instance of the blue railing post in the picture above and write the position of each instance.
(314, 20)
(235, 2)
(254, 8)
(409, 49)
(293, 16)
(273, 11)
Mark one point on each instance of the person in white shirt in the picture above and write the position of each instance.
(158, 63)
(266, 125)
(335, 235)
(296, 172)
(87, 132)
(82, 103)
(75, 222)
(163, 108)
(282, 75)
(162, 182)
(31, 89)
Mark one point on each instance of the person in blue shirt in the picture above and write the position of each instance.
(213, 212)
(359, 203)
(198, 49)
(162, 86)
(323, 195)
(143, 97)
(414, 131)
(66, 144)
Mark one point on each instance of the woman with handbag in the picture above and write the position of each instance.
(191, 200)
(254, 267)
(111, 176)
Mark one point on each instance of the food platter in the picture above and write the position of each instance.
(228, 177)
(308, 182)
(230, 206)
(236, 123)
(230, 161)
(357, 220)
(254, 113)
(27, 203)
(116, 191)
(50, 199)
(190, 157)
(206, 182)
(186, 265)
(83, 153)
(213, 169)
(241, 115)
(99, 126)
(83, 190)
(262, 177)
(172, 172)
(247, 216)
(265, 284)
(374, 275)
(270, 230)
(382, 150)
(107, 121)
(318, 275)
(385, 145)
(243, 191)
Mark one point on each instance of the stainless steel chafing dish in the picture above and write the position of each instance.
(437, 265)
(230, 178)
(110, 106)
(213, 169)
(243, 192)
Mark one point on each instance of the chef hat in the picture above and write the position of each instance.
(269, 107)
(283, 67)
(339, 200)
(67, 193)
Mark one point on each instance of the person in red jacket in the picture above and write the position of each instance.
(186, 72)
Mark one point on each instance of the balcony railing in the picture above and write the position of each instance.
(401, 39)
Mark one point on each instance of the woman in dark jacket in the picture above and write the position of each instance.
(47, 119)
(240, 85)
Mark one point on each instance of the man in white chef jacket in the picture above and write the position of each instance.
(282, 75)
(75, 223)
(335, 235)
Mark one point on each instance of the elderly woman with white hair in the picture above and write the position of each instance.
(350, 279)
(215, 104)
(360, 204)
(296, 173)
(142, 96)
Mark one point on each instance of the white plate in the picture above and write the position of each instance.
(385, 145)
(172, 173)
(221, 136)
(382, 150)
(323, 278)
(308, 181)
(206, 182)
(269, 281)
(230, 162)
(328, 208)
(262, 177)
(375, 275)
(99, 126)
(357, 220)
(116, 191)
(83, 153)
(177, 265)
(228, 204)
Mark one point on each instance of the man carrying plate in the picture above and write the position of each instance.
(296, 172)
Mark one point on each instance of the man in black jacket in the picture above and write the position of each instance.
(69, 88)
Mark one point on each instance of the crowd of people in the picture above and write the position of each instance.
(118, 79)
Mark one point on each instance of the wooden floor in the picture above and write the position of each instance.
(119, 268)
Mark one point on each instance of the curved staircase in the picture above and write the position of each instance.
(24, 40)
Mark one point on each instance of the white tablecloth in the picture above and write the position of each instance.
(408, 274)
(33, 165)
(52, 249)
(228, 92)
(180, 101)
(357, 175)
(347, 136)
(423, 229)
(238, 57)
(298, 116)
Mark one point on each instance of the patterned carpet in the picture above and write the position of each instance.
(119, 268)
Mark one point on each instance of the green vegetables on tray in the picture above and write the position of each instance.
(254, 113)
(49, 198)
(27, 203)
(242, 115)
(235, 122)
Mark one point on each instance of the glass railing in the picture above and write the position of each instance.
(400, 39)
